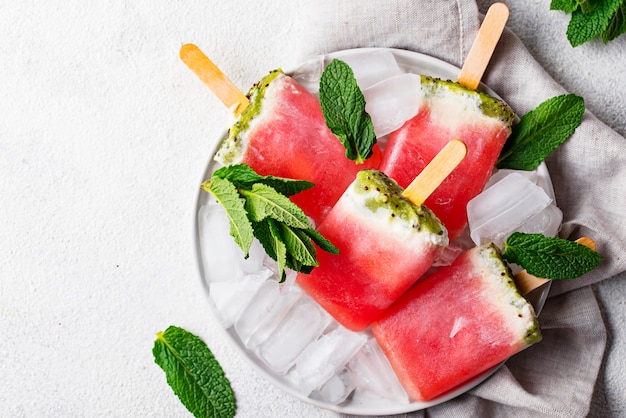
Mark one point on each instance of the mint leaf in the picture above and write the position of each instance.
(550, 258)
(264, 235)
(263, 201)
(567, 6)
(228, 196)
(298, 266)
(287, 187)
(343, 106)
(274, 238)
(588, 6)
(243, 176)
(583, 27)
(321, 242)
(591, 18)
(239, 174)
(541, 131)
(299, 246)
(617, 24)
(266, 238)
(256, 209)
(279, 247)
(268, 234)
(194, 374)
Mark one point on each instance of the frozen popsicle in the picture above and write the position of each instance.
(455, 110)
(455, 324)
(283, 133)
(450, 110)
(386, 242)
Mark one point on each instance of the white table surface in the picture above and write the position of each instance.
(104, 137)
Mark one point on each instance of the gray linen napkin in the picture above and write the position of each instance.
(555, 377)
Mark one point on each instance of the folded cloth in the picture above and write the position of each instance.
(555, 377)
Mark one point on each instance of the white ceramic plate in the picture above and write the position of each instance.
(363, 403)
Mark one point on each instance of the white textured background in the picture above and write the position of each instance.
(104, 137)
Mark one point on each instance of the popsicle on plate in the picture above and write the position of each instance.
(456, 324)
(450, 110)
(385, 244)
(283, 133)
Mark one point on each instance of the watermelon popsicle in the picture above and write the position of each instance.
(455, 110)
(455, 324)
(281, 131)
(386, 238)
(450, 110)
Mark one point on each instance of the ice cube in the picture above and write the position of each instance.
(325, 357)
(372, 372)
(290, 275)
(539, 176)
(499, 210)
(546, 222)
(544, 181)
(230, 298)
(448, 255)
(308, 74)
(256, 255)
(222, 259)
(372, 66)
(267, 309)
(392, 102)
(304, 323)
(503, 172)
(336, 389)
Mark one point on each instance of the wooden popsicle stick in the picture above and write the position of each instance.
(214, 78)
(483, 46)
(435, 172)
(526, 282)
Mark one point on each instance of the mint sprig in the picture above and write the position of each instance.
(593, 18)
(567, 6)
(617, 24)
(228, 196)
(550, 258)
(244, 176)
(194, 374)
(343, 106)
(541, 131)
(258, 206)
(263, 201)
